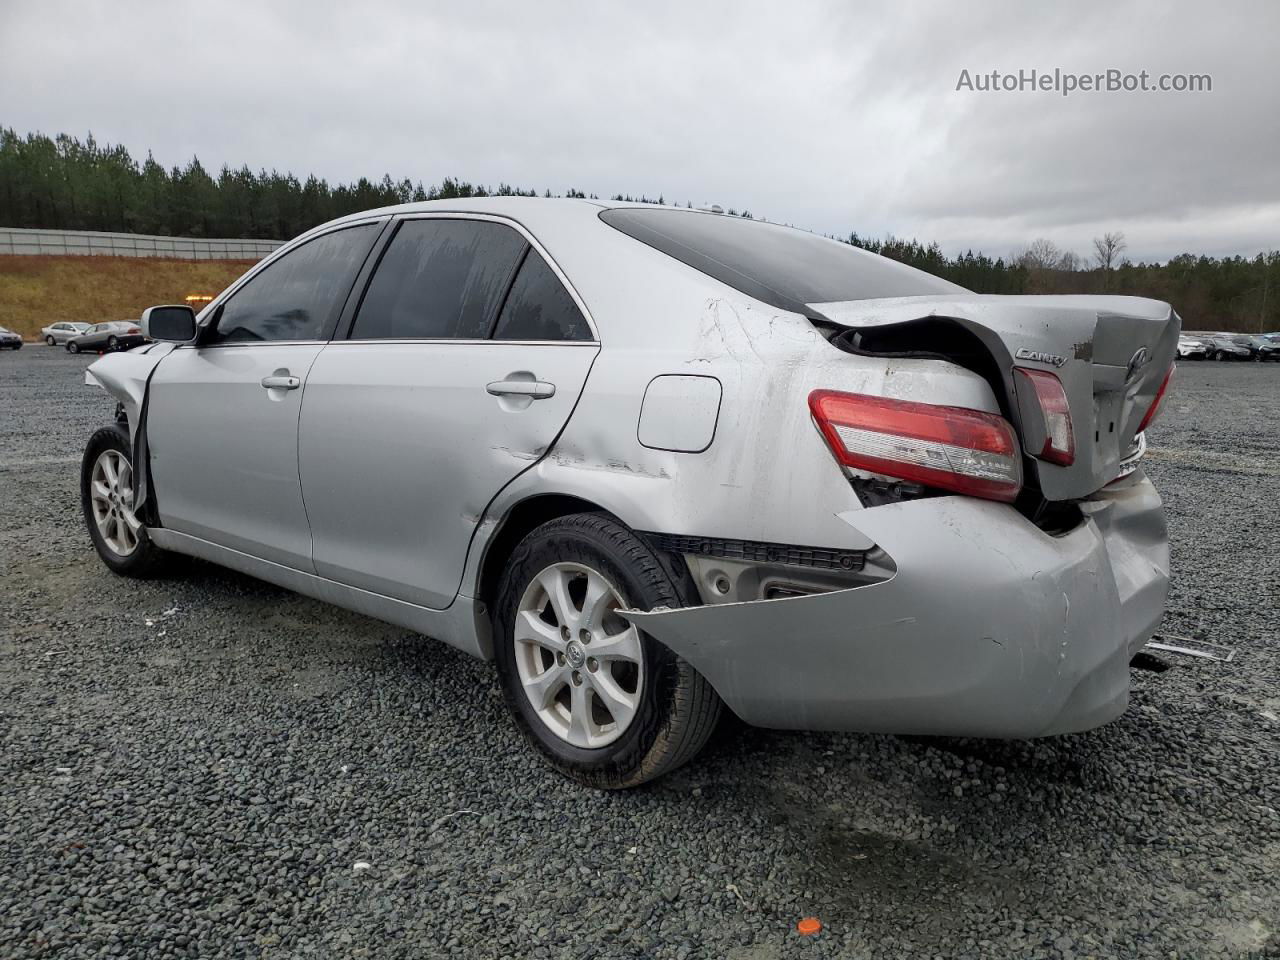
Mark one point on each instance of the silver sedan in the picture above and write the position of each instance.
(57, 334)
(655, 463)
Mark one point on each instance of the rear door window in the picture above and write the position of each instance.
(298, 296)
(439, 279)
(539, 307)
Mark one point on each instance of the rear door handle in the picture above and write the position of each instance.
(537, 389)
(281, 383)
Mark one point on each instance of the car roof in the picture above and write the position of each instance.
(531, 211)
(535, 213)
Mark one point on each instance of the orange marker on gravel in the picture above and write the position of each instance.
(808, 926)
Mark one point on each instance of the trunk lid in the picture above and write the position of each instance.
(1110, 353)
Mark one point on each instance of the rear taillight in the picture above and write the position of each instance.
(1059, 441)
(134, 330)
(952, 448)
(1158, 403)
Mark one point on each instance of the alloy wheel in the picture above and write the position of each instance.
(580, 664)
(111, 495)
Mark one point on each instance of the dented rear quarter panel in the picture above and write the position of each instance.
(768, 475)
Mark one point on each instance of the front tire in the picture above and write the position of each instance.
(603, 703)
(73, 347)
(106, 499)
(51, 341)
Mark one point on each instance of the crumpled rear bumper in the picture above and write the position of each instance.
(990, 627)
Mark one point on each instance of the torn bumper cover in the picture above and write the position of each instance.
(990, 627)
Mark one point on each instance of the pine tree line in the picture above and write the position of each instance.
(69, 184)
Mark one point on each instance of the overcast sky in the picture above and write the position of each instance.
(834, 117)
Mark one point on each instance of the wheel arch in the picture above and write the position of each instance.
(519, 520)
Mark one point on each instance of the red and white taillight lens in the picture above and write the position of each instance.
(1059, 440)
(1158, 403)
(951, 448)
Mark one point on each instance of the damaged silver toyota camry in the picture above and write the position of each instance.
(659, 462)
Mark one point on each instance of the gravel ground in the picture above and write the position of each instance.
(197, 767)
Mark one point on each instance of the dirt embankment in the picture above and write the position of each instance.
(37, 290)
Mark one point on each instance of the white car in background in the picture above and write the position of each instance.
(1194, 347)
(56, 334)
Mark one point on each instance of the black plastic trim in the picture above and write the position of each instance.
(757, 551)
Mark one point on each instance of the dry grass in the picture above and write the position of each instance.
(36, 291)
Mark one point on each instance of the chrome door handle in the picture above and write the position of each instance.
(281, 383)
(537, 389)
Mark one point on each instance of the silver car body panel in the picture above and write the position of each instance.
(440, 452)
(969, 618)
(990, 627)
(224, 449)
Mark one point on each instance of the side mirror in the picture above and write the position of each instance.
(176, 324)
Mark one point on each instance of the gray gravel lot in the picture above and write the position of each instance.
(193, 767)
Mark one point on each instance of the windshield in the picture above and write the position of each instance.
(781, 266)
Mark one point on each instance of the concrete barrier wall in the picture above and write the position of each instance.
(85, 243)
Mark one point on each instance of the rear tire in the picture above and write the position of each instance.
(1220, 355)
(106, 493)
(626, 717)
(112, 343)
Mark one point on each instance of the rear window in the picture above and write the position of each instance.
(539, 307)
(781, 266)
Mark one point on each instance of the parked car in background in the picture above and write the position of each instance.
(1224, 347)
(10, 340)
(653, 461)
(109, 336)
(1260, 348)
(57, 334)
(1191, 347)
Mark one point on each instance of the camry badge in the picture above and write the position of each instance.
(1040, 356)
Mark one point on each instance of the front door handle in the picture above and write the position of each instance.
(278, 382)
(534, 389)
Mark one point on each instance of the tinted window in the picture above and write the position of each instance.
(297, 296)
(781, 266)
(539, 307)
(439, 279)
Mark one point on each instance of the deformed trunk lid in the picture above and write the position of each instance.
(1111, 354)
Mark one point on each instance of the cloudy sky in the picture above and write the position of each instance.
(835, 117)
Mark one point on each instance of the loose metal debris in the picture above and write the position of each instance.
(1193, 648)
